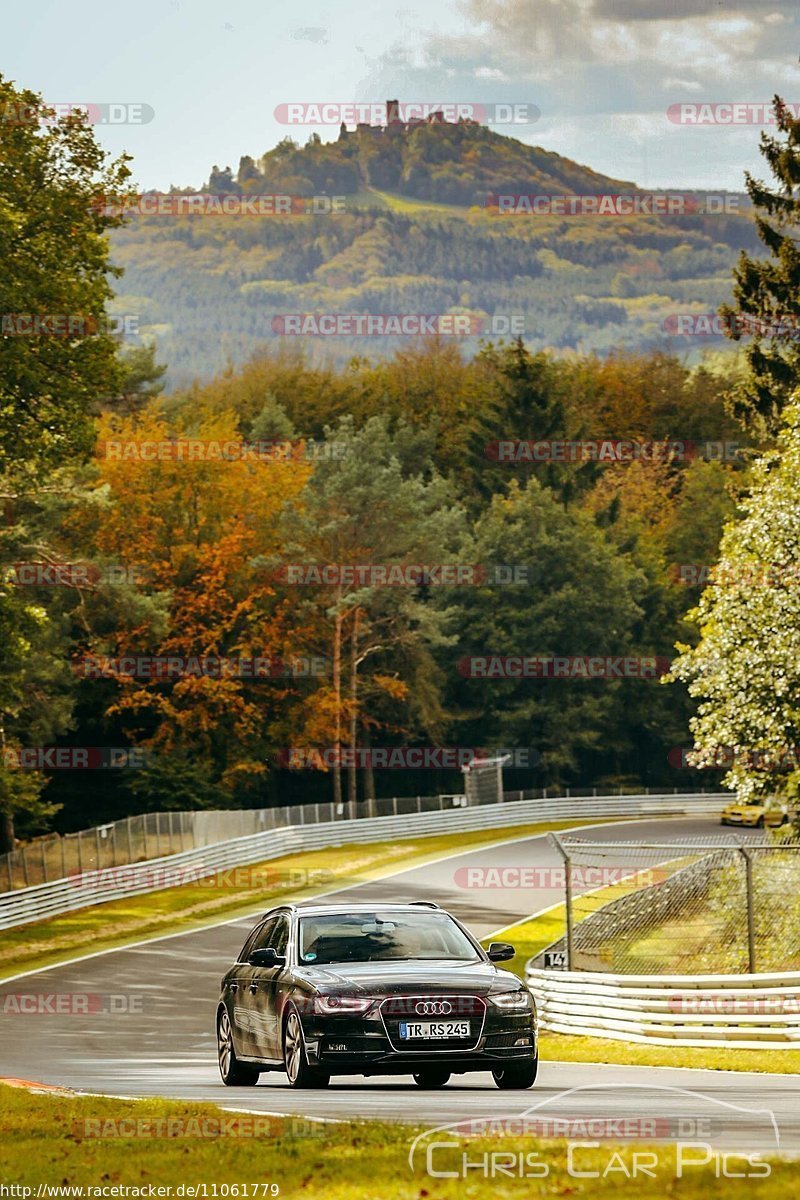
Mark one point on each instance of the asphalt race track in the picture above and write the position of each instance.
(166, 1046)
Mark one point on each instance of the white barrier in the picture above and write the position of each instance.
(96, 887)
(751, 1012)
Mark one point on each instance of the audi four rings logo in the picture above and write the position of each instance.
(433, 1008)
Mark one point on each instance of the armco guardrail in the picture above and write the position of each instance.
(156, 834)
(746, 1011)
(96, 887)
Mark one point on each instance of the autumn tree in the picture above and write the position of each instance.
(373, 499)
(191, 528)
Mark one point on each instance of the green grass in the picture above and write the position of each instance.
(531, 936)
(70, 1140)
(373, 197)
(559, 1047)
(135, 918)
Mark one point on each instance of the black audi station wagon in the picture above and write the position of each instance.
(391, 989)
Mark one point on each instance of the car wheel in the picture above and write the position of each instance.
(435, 1077)
(232, 1072)
(298, 1072)
(517, 1075)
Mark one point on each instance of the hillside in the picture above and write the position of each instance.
(461, 164)
(414, 237)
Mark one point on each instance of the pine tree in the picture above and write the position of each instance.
(767, 291)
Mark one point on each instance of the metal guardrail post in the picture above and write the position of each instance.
(556, 840)
(751, 924)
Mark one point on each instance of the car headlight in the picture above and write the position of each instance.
(511, 1000)
(333, 1006)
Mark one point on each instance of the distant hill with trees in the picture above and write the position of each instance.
(412, 234)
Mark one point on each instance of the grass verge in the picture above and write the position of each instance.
(231, 893)
(559, 1047)
(102, 1143)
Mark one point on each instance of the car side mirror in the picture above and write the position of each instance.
(500, 951)
(267, 957)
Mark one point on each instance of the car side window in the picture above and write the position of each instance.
(280, 935)
(256, 939)
(265, 935)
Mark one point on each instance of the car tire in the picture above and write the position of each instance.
(434, 1077)
(295, 1061)
(232, 1072)
(517, 1075)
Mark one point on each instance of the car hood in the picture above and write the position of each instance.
(389, 978)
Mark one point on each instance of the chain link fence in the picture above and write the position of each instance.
(155, 835)
(681, 907)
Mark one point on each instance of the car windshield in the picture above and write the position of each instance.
(376, 937)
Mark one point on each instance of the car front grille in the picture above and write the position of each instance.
(433, 1007)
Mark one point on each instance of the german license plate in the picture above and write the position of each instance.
(434, 1029)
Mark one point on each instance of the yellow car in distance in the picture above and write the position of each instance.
(756, 813)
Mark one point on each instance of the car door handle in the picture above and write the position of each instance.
(253, 988)
(234, 987)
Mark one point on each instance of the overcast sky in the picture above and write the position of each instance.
(603, 73)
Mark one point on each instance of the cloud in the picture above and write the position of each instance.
(312, 33)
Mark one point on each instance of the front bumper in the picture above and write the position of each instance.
(362, 1045)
